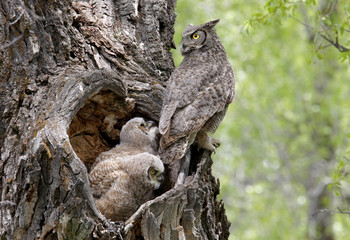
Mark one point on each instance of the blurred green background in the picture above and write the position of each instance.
(285, 138)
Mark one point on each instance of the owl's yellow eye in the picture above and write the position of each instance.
(152, 171)
(195, 36)
(142, 126)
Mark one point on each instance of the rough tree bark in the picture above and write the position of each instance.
(72, 73)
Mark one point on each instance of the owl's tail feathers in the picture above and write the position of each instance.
(176, 172)
(177, 159)
(175, 151)
(184, 169)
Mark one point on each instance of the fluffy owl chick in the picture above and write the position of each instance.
(136, 136)
(120, 185)
(198, 94)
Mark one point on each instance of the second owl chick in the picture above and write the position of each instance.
(122, 184)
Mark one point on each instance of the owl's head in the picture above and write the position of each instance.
(139, 132)
(155, 173)
(196, 39)
(148, 170)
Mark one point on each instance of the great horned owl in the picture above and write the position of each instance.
(126, 176)
(197, 96)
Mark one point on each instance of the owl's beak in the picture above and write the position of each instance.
(160, 178)
(147, 128)
(182, 48)
(150, 124)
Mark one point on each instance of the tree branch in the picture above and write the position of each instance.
(331, 212)
(18, 18)
(11, 43)
(329, 39)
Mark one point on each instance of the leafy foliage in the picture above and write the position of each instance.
(286, 132)
(341, 173)
(325, 26)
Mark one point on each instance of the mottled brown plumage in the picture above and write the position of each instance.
(197, 96)
(126, 176)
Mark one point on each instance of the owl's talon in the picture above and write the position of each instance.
(206, 142)
(216, 142)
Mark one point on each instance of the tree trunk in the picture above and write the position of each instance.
(72, 73)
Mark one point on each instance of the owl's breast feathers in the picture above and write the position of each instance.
(198, 89)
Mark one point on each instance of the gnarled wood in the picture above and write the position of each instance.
(73, 72)
(189, 211)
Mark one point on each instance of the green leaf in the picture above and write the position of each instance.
(326, 20)
(319, 55)
(344, 56)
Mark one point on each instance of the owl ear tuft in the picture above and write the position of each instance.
(212, 23)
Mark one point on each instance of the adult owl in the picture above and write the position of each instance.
(126, 176)
(198, 94)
